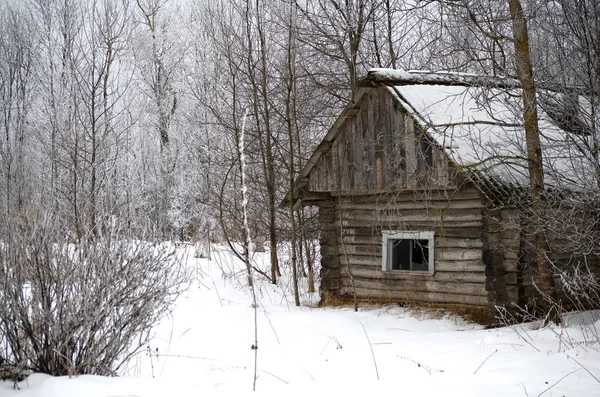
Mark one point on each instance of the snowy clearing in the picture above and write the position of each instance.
(204, 348)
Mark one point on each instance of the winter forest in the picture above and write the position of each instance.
(127, 120)
(125, 115)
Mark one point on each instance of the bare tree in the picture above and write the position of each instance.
(16, 68)
(337, 30)
(532, 139)
(158, 65)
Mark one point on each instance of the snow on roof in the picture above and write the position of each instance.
(477, 120)
(479, 125)
(402, 77)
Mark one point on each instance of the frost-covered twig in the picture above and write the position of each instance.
(557, 382)
(371, 346)
(426, 368)
(585, 369)
(488, 357)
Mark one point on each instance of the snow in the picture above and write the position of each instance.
(439, 77)
(480, 127)
(203, 348)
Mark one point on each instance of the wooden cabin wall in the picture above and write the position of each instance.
(330, 263)
(378, 148)
(510, 259)
(454, 216)
(503, 250)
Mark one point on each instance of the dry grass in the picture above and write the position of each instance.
(422, 310)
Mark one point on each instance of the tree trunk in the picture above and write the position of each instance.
(534, 152)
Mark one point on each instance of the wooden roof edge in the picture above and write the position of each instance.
(400, 77)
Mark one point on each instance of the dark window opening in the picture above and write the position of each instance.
(426, 155)
(409, 254)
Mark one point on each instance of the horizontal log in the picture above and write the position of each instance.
(458, 254)
(452, 242)
(447, 254)
(375, 217)
(362, 260)
(418, 285)
(374, 261)
(392, 223)
(411, 296)
(459, 266)
(415, 194)
(458, 231)
(376, 274)
(440, 242)
(349, 249)
(430, 205)
(448, 230)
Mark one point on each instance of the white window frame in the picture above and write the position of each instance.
(386, 250)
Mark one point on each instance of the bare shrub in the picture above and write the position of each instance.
(81, 308)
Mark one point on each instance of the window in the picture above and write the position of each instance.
(408, 252)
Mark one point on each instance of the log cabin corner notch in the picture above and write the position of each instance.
(420, 185)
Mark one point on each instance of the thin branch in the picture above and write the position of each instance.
(558, 381)
(488, 357)
(371, 347)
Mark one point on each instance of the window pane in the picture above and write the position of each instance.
(420, 255)
(400, 255)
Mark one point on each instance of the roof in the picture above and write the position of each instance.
(477, 120)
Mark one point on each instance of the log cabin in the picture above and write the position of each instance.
(421, 186)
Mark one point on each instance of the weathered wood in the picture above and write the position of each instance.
(375, 150)
(410, 144)
(357, 155)
(418, 285)
(449, 242)
(398, 133)
(387, 139)
(441, 242)
(368, 273)
(379, 131)
(416, 194)
(417, 214)
(474, 265)
(423, 224)
(458, 254)
(412, 296)
(378, 175)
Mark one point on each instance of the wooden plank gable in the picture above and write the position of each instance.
(380, 148)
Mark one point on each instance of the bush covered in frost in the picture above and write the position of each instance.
(80, 308)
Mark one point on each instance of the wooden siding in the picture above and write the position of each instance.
(381, 172)
(454, 216)
(380, 148)
(503, 252)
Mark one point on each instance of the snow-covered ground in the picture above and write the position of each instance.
(204, 348)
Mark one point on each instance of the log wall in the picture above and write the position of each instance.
(503, 253)
(353, 245)
(382, 173)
